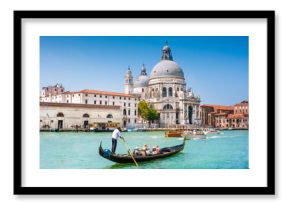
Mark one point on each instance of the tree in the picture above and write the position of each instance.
(146, 112)
(151, 116)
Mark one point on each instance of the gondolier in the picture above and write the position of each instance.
(115, 135)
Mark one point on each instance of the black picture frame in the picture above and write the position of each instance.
(19, 189)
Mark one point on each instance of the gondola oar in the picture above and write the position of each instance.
(130, 152)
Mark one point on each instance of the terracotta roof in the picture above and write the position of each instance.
(105, 93)
(212, 113)
(219, 107)
(220, 114)
(50, 104)
(236, 116)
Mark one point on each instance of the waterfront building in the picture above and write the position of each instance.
(224, 117)
(70, 116)
(213, 115)
(240, 118)
(126, 103)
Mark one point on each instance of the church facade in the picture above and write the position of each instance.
(165, 89)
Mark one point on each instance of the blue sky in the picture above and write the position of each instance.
(215, 67)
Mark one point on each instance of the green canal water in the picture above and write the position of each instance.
(71, 150)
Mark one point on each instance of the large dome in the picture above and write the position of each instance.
(167, 68)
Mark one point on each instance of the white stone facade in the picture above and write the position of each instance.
(165, 89)
(127, 103)
(67, 116)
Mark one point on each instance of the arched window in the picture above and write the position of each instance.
(60, 114)
(86, 115)
(167, 107)
(164, 93)
(109, 116)
(124, 112)
(170, 91)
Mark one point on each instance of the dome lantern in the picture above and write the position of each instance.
(166, 67)
(166, 52)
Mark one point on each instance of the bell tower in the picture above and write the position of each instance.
(128, 82)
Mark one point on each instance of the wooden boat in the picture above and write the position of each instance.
(125, 158)
(173, 133)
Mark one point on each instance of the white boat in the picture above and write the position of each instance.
(194, 135)
(212, 131)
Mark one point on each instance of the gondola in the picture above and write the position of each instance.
(125, 158)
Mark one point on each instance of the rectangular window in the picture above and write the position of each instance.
(124, 98)
(86, 101)
(129, 104)
(120, 98)
(129, 98)
(113, 97)
(106, 103)
(100, 96)
(135, 121)
(95, 102)
(100, 102)
(128, 112)
(113, 103)
(86, 95)
(95, 95)
(129, 120)
(135, 112)
(106, 96)
(124, 104)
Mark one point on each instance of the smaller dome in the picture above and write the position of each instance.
(141, 81)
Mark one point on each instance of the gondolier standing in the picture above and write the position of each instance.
(116, 134)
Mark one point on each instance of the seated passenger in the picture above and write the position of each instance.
(136, 151)
(157, 149)
(143, 152)
(154, 150)
(148, 151)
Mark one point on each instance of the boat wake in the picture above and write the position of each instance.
(219, 136)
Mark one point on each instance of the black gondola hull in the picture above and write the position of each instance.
(164, 152)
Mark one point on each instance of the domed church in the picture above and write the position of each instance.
(165, 89)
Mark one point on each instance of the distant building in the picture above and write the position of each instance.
(225, 117)
(52, 90)
(210, 112)
(240, 118)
